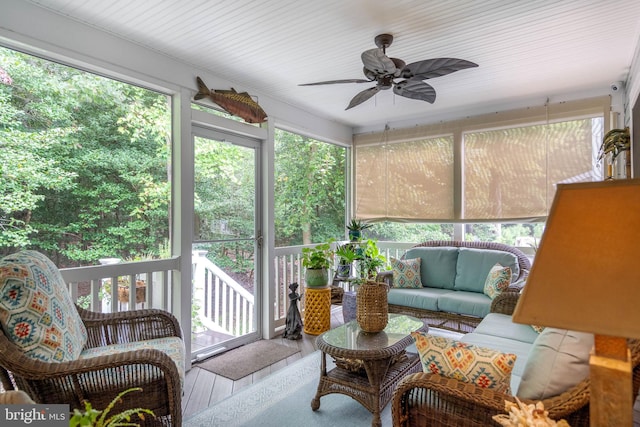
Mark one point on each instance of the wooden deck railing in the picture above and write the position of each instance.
(288, 268)
(140, 284)
(222, 304)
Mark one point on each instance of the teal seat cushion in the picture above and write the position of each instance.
(424, 298)
(463, 302)
(500, 325)
(474, 265)
(438, 265)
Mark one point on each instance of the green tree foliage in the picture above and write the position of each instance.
(309, 190)
(224, 203)
(84, 163)
(416, 233)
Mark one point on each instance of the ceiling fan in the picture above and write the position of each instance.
(382, 70)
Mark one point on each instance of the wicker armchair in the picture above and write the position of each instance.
(119, 350)
(426, 399)
(454, 321)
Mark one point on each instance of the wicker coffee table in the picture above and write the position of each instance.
(368, 365)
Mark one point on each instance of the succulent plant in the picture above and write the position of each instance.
(358, 225)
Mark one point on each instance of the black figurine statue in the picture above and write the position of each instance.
(293, 323)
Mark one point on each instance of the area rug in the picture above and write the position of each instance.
(245, 360)
(283, 399)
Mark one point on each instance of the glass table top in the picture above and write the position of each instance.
(350, 337)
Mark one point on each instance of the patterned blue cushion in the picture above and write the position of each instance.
(484, 367)
(36, 310)
(406, 273)
(498, 279)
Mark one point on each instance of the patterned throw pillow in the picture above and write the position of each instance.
(498, 279)
(36, 310)
(406, 273)
(481, 366)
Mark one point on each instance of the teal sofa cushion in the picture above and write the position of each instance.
(423, 298)
(500, 325)
(464, 302)
(473, 266)
(438, 266)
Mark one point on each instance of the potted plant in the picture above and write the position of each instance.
(91, 417)
(355, 227)
(373, 259)
(346, 254)
(317, 261)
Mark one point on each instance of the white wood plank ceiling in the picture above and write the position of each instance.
(527, 50)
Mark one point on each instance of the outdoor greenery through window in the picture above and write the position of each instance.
(84, 164)
(408, 232)
(309, 190)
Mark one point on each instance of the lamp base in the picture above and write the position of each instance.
(611, 402)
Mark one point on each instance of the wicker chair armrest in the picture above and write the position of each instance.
(430, 399)
(446, 401)
(128, 326)
(518, 285)
(386, 277)
(505, 303)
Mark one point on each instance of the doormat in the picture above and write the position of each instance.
(245, 360)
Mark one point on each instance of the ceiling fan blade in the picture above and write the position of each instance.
(415, 89)
(363, 96)
(375, 60)
(330, 82)
(436, 67)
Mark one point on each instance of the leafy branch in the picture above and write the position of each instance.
(94, 418)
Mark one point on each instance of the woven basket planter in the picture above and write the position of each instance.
(372, 311)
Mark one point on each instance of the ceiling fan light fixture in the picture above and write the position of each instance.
(383, 41)
(383, 70)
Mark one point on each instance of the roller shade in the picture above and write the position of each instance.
(499, 167)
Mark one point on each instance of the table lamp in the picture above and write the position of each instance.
(586, 277)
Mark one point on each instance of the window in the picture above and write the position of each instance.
(512, 172)
(522, 235)
(411, 233)
(309, 189)
(498, 168)
(84, 164)
(409, 180)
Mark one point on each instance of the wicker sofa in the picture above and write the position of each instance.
(423, 399)
(453, 275)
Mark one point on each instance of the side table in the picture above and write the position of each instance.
(317, 310)
(368, 365)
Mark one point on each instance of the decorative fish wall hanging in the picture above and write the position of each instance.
(235, 103)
